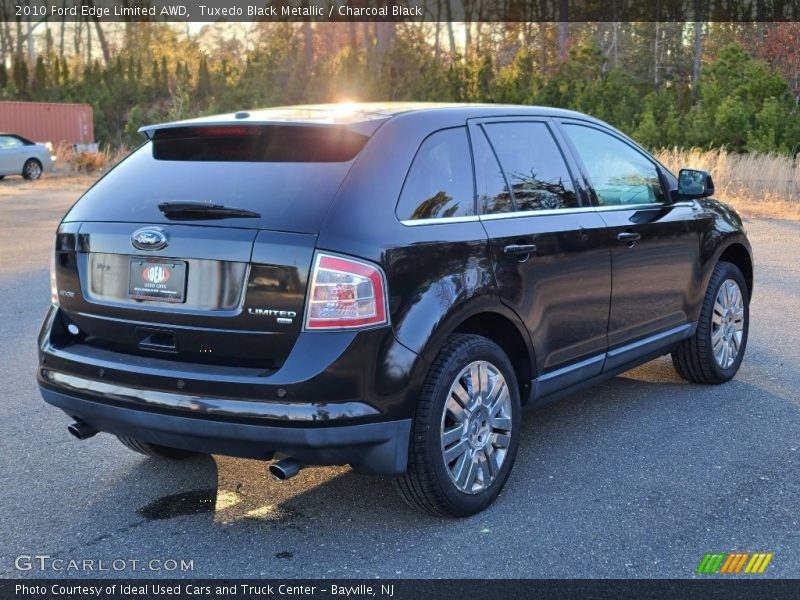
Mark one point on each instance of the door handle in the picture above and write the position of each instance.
(519, 249)
(629, 236)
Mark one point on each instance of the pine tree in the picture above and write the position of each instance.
(203, 89)
(20, 76)
(39, 84)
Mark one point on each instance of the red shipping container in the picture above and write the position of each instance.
(59, 123)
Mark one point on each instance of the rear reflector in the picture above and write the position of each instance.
(345, 294)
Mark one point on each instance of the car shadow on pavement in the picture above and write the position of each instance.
(629, 450)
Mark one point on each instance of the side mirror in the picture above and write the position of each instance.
(693, 183)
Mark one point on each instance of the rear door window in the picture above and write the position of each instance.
(439, 182)
(533, 165)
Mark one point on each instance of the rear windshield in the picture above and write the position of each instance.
(287, 174)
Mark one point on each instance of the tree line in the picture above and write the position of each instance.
(707, 85)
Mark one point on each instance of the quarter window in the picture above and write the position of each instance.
(533, 166)
(439, 183)
(619, 173)
(493, 195)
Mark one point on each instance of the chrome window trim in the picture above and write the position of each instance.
(541, 213)
(640, 206)
(537, 213)
(442, 221)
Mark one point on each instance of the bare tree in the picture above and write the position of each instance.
(5, 31)
(19, 36)
(308, 42)
(385, 35)
(102, 39)
(698, 46)
(88, 43)
(63, 28)
(655, 45)
(450, 32)
(353, 34)
(77, 37)
(563, 29)
(542, 46)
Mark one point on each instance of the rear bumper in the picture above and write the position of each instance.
(339, 398)
(380, 447)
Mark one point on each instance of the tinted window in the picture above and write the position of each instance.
(620, 174)
(492, 192)
(439, 183)
(289, 196)
(533, 165)
(249, 143)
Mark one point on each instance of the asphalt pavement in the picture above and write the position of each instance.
(637, 477)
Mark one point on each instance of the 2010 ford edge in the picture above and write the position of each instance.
(384, 286)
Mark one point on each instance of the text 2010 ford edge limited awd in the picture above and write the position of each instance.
(384, 286)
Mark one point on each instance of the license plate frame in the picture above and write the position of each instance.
(160, 280)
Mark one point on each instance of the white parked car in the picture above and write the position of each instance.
(19, 156)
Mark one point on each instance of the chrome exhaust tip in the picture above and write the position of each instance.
(81, 430)
(285, 469)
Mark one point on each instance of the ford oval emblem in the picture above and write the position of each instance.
(149, 238)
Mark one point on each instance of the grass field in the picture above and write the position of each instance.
(757, 185)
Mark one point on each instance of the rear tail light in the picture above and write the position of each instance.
(344, 294)
(53, 284)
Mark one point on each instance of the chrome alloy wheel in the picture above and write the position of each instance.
(476, 427)
(727, 327)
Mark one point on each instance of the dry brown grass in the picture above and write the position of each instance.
(757, 185)
(72, 163)
(74, 171)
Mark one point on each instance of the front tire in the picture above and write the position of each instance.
(465, 432)
(715, 352)
(155, 450)
(32, 169)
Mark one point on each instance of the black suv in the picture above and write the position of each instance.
(384, 286)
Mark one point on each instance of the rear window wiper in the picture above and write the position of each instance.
(204, 210)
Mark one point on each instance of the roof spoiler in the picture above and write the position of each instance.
(366, 128)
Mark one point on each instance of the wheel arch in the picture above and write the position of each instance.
(489, 318)
(738, 254)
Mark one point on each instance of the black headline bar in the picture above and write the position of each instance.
(444, 589)
(402, 10)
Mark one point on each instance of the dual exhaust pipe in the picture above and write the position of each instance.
(282, 470)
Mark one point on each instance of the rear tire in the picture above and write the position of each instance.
(155, 450)
(32, 169)
(714, 353)
(464, 437)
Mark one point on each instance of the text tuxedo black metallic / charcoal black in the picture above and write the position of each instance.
(384, 286)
